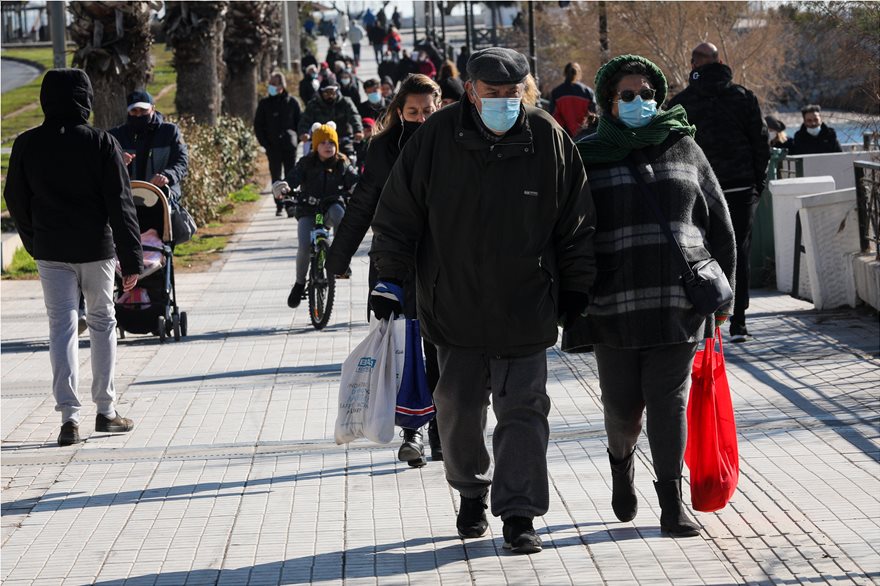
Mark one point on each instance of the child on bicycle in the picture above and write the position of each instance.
(326, 175)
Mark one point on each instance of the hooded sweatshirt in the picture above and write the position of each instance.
(67, 188)
(730, 128)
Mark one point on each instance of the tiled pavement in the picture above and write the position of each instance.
(231, 475)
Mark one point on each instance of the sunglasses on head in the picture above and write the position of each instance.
(644, 93)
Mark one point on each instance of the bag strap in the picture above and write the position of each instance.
(686, 271)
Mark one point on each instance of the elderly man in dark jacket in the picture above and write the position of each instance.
(68, 191)
(732, 133)
(153, 149)
(275, 125)
(488, 204)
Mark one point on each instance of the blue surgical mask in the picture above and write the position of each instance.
(500, 114)
(273, 90)
(374, 97)
(637, 113)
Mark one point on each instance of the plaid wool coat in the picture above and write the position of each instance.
(637, 299)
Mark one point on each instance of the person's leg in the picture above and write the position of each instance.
(519, 398)
(97, 286)
(275, 170)
(665, 382)
(432, 370)
(742, 206)
(356, 49)
(334, 215)
(462, 400)
(304, 228)
(622, 401)
(61, 293)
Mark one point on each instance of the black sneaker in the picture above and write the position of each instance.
(520, 536)
(738, 333)
(118, 424)
(69, 434)
(471, 521)
(278, 213)
(296, 295)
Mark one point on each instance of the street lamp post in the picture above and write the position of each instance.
(533, 57)
(58, 30)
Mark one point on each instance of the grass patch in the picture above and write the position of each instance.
(23, 264)
(249, 192)
(200, 245)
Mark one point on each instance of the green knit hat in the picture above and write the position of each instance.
(607, 72)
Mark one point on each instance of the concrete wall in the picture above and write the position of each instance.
(830, 235)
(785, 193)
(837, 165)
(866, 271)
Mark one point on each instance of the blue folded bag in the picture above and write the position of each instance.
(415, 406)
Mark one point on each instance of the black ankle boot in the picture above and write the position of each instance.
(623, 497)
(412, 448)
(434, 441)
(674, 520)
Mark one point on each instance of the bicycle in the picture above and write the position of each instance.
(321, 285)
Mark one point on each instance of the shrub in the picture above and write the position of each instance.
(222, 160)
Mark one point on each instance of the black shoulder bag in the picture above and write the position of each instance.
(705, 284)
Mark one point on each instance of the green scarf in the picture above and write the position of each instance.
(612, 142)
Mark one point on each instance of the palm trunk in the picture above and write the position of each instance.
(241, 90)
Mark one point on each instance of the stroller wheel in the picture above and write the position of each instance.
(176, 327)
(183, 323)
(160, 329)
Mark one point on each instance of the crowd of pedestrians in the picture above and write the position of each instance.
(495, 223)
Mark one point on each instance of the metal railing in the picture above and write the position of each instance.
(868, 201)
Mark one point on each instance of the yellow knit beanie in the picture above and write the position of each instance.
(322, 132)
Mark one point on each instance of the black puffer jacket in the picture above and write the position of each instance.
(276, 122)
(494, 229)
(331, 178)
(342, 111)
(730, 128)
(805, 144)
(67, 185)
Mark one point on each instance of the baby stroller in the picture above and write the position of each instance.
(151, 307)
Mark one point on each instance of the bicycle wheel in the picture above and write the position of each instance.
(322, 287)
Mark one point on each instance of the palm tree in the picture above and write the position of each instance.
(195, 32)
(113, 40)
(251, 32)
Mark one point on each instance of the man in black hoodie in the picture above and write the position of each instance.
(732, 133)
(275, 125)
(69, 220)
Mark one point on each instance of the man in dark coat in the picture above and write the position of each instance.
(68, 191)
(153, 149)
(488, 204)
(814, 137)
(732, 133)
(308, 85)
(275, 125)
(375, 104)
(329, 105)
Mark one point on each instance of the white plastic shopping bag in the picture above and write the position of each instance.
(370, 380)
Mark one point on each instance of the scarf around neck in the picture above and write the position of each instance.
(613, 142)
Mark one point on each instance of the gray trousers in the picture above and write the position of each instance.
(518, 390)
(62, 283)
(304, 228)
(655, 380)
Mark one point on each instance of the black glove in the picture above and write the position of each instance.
(386, 299)
(572, 304)
(335, 264)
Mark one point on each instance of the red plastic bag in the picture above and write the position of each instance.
(711, 453)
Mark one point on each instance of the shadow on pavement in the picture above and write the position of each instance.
(327, 369)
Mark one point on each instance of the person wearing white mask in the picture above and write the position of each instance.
(814, 137)
(488, 206)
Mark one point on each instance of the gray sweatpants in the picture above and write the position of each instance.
(304, 227)
(62, 283)
(655, 380)
(518, 390)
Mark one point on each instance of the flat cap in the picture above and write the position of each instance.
(498, 66)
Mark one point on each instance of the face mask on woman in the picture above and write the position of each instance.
(345, 80)
(637, 113)
(499, 114)
(814, 131)
(374, 97)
